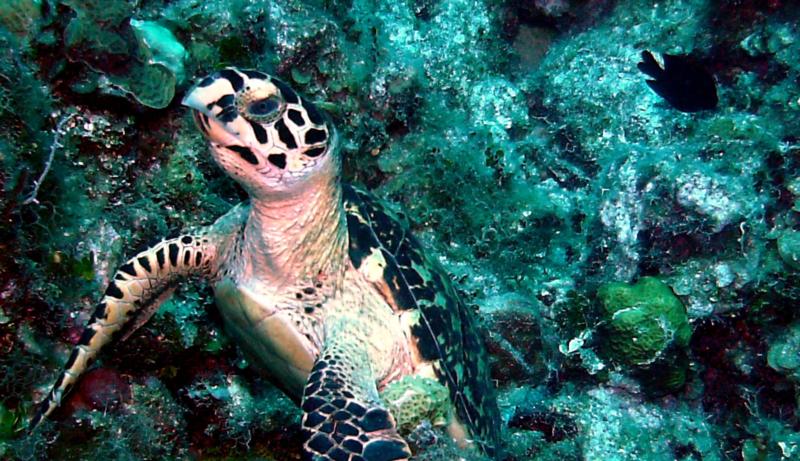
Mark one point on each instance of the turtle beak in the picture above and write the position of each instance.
(213, 91)
(192, 100)
(199, 97)
(211, 100)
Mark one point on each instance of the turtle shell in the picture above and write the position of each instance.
(448, 334)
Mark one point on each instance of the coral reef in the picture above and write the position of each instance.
(636, 267)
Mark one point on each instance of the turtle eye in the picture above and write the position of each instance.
(263, 110)
(264, 106)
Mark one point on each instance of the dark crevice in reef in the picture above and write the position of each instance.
(733, 393)
(740, 16)
(563, 16)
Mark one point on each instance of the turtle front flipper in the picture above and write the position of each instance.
(139, 287)
(343, 417)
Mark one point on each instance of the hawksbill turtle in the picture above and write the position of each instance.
(320, 284)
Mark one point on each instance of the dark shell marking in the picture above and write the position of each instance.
(448, 333)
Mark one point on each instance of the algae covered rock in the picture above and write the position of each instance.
(157, 68)
(646, 330)
(789, 248)
(142, 60)
(772, 440)
(18, 16)
(784, 353)
(162, 46)
(10, 423)
(514, 338)
(151, 85)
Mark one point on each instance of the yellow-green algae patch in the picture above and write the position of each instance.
(414, 399)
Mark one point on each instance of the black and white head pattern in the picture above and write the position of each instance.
(258, 125)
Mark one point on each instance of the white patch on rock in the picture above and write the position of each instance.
(709, 198)
(622, 216)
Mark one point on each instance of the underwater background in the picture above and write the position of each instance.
(629, 235)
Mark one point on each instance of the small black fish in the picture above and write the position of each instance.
(683, 83)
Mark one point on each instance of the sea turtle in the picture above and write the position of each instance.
(320, 284)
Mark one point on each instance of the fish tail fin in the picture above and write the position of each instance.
(649, 65)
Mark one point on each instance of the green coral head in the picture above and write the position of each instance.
(415, 399)
(644, 325)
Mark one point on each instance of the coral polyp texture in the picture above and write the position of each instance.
(608, 194)
(645, 327)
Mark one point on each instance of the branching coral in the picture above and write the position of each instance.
(56, 144)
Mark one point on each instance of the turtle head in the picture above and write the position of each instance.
(262, 133)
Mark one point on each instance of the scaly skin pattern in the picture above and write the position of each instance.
(325, 302)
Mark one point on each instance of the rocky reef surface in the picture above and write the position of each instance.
(636, 267)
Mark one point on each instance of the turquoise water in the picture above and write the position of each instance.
(631, 249)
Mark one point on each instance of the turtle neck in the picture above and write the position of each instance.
(299, 236)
